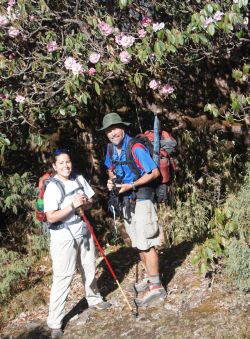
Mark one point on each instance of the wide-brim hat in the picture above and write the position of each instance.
(112, 119)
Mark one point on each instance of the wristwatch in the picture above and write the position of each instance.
(133, 186)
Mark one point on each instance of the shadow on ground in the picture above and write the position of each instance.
(121, 262)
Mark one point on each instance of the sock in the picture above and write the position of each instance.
(155, 279)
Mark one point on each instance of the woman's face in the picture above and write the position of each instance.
(63, 165)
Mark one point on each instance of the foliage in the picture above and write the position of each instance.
(64, 64)
(187, 221)
(67, 59)
(16, 192)
(239, 103)
(229, 234)
(14, 267)
(237, 264)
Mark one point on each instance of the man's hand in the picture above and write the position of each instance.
(124, 188)
(110, 185)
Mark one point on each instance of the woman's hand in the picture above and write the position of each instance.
(79, 200)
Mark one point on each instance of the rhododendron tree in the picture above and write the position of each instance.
(64, 59)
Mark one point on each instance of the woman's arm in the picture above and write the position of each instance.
(60, 215)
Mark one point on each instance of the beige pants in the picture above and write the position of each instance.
(143, 228)
(65, 256)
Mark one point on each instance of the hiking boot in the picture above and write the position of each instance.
(152, 293)
(142, 286)
(103, 305)
(56, 332)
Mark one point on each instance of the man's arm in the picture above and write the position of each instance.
(143, 180)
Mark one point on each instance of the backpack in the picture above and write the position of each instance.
(168, 144)
(166, 164)
(43, 183)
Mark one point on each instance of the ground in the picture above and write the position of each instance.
(196, 306)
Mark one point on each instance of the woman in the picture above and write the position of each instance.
(71, 244)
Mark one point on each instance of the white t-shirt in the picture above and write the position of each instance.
(52, 198)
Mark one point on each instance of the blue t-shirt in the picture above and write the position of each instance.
(142, 158)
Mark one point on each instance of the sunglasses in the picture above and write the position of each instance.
(59, 151)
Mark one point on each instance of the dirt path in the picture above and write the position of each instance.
(195, 307)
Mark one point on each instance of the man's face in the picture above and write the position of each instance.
(115, 134)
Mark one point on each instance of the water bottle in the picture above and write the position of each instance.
(39, 204)
(40, 215)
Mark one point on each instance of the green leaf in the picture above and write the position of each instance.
(195, 259)
(123, 3)
(235, 105)
(203, 267)
(209, 253)
(209, 9)
(246, 68)
(67, 87)
(84, 98)
(138, 79)
(236, 74)
(211, 29)
(97, 88)
(109, 20)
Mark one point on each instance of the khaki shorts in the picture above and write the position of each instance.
(143, 228)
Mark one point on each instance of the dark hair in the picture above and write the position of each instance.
(58, 152)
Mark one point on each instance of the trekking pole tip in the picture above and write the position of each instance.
(135, 314)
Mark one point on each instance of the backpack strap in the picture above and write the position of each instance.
(131, 159)
(60, 186)
(110, 151)
(60, 224)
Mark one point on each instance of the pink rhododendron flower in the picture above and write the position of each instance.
(69, 62)
(142, 33)
(166, 89)
(218, 15)
(92, 71)
(118, 39)
(11, 3)
(158, 26)
(20, 99)
(13, 32)
(77, 68)
(105, 28)
(32, 17)
(208, 21)
(125, 57)
(3, 20)
(94, 57)
(12, 56)
(146, 21)
(125, 41)
(2, 96)
(153, 84)
(52, 46)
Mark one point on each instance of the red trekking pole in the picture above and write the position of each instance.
(105, 258)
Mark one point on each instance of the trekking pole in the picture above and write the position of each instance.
(106, 260)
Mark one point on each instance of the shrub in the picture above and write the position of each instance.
(237, 264)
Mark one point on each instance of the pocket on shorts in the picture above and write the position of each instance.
(148, 220)
(151, 230)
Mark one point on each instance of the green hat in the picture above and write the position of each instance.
(112, 119)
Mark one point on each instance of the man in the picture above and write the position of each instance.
(141, 219)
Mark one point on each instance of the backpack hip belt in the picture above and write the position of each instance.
(60, 224)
